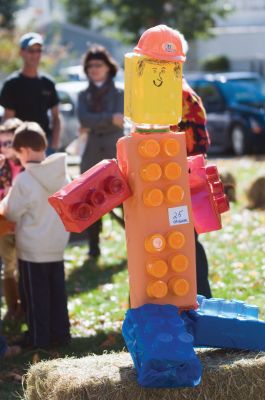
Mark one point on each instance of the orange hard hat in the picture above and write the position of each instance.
(162, 43)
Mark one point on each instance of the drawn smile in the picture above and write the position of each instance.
(157, 82)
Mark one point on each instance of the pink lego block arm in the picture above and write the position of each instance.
(207, 195)
(93, 194)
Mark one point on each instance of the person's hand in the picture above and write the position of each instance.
(83, 130)
(55, 145)
(2, 160)
(117, 119)
(6, 190)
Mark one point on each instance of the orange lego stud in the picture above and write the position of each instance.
(176, 240)
(172, 170)
(155, 243)
(153, 197)
(174, 194)
(180, 287)
(157, 268)
(151, 172)
(149, 148)
(179, 262)
(170, 147)
(157, 289)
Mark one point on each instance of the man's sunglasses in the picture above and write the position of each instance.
(6, 143)
(34, 51)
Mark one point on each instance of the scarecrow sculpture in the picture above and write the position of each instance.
(165, 196)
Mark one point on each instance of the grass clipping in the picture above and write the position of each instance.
(227, 375)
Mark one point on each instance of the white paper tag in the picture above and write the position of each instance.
(178, 215)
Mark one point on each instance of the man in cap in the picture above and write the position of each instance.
(28, 94)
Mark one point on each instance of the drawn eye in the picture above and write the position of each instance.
(154, 70)
(163, 70)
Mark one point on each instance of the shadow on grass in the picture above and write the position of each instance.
(101, 342)
(90, 275)
(79, 347)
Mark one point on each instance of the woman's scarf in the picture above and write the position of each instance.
(98, 95)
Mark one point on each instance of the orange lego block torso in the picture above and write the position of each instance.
(158, 218)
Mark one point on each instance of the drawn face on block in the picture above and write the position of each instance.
(160, 71)
(158, 75)
(153, 90)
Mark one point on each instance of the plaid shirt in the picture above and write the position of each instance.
(5, 175)
(193, 122)
(8, 172)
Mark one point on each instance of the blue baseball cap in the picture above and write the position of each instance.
(29, 39)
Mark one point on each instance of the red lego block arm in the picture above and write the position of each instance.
(90, 196)
(207, 195)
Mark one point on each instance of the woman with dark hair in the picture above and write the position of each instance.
(100, 113)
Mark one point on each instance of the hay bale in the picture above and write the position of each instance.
(229, 182)
(256, 194)
(227, 375)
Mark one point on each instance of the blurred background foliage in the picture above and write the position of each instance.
(216, 64)
(9, 54)
(126, 20)
(7, 12)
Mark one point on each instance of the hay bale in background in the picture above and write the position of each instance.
(227, 375)
(256, 194)
(229, 182)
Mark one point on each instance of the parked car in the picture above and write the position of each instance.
(235, 106)
(68, 95)
(73, 73)
(76, 73)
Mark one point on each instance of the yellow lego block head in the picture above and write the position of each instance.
(153, 90)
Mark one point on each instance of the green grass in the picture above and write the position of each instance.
(98, 291)
(236, 253)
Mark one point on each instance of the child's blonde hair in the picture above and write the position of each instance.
(10, 125)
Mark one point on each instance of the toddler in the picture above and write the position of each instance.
(9, 168)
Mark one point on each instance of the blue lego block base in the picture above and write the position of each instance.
(161, 340)
(226, 324)
(161, 348)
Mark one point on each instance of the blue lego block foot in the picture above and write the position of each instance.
(161, 348)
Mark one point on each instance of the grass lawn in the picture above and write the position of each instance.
(98, 291)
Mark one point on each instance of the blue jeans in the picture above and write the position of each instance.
(43, 294)
(49, 151)
(203, 286)
(3, 346)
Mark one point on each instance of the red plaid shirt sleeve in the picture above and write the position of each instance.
(193, 122)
